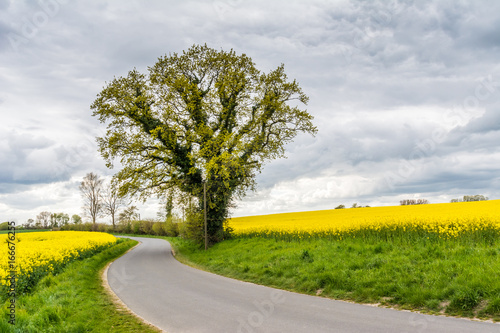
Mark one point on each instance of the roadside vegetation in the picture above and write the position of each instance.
(440, 276)
(74, 301)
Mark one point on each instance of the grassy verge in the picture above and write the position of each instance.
(74, 301)
(458, 278)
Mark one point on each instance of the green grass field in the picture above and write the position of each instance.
(19, 231)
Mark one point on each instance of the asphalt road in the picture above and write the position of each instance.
(178, 298)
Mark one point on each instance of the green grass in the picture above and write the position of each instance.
(74, 301)
(19, 231)
(458, 278)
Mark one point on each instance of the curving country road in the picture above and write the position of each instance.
(178, 298)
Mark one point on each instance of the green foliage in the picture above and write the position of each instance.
(147, 227)
(136, 227)
(4, 226)
(159, 229)
(172, 228)
(76, 219)
(200, 115)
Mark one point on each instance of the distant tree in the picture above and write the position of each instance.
(62, 219)
(43, 219)
(355, 205)
(340, 207)
(91, 189)
(112, 202)
(53, 220)
(129, 214)
(76, 219)
(408, 202)
(477, 197)
(29, 223)
(470, 198)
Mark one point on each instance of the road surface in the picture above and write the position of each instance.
(178, 298)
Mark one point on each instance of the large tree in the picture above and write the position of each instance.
(200, 116)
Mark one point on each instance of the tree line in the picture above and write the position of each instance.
(408, 202)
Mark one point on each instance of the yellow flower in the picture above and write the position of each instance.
(46, 249)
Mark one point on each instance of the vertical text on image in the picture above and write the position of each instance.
(11, 278)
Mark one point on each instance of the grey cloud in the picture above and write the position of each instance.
(4, 4)
(380, 76)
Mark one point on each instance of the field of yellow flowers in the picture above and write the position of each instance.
(448, 220)
(40, 253)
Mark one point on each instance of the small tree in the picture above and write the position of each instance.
(129, 214)
(29, 223)
(76, 219)
(112, 202)
(62, 219)
(91, 189)
(43, 219)
(340, 207)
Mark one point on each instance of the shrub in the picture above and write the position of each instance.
(147, 227)
(158, 229)
(136, 227)
(171, 227)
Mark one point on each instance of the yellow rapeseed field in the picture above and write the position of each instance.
(448, 220)
(46, 249)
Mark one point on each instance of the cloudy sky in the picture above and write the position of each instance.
(405, 95)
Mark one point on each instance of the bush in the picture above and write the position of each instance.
(159, 229)
(193, 227)
(147, 227)
(171, 228)
(136, 227)
(125, 227)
